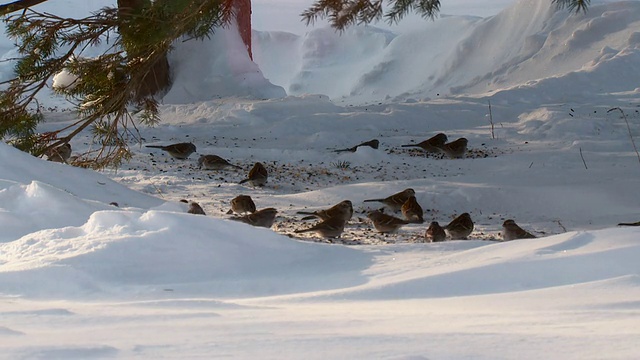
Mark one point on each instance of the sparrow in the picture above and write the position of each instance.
(343, 210)
(412, 211)
(460, 227)
(261, 218)
(179, 151)
(329, 228)
(194, 207)
(385, 223)
(455, 149)
(431, 145)
(214, 162)
(511, 231)
(435, 232)
(396, 201)
(257, 175)
(374, 144)
(242, 204)
(60, 153)
(637, 223)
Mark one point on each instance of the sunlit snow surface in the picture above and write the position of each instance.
(81, 278)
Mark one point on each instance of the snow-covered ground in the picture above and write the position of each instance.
(530, 87)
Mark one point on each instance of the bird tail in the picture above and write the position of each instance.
(352, 149)
(302, 231)
(155, 146)
(243, 181)
(374, 200)
(310, 217)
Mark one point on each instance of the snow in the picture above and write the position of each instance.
(110, 265)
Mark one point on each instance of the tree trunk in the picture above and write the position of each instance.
(158, 78)
(243, 17)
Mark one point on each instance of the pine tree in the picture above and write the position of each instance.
(112, 91)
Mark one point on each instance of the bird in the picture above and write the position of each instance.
(343, 210)
(214, 162)
(194, 207)
(262, 218)
(242, 204)
(511, 231)
(435, 232)
(179, 151)
(329, 228)
(258, 175)
(60, 153)
(385, 223)
(412, 211)
(396, 201)
(460, 227)
(374, 144)
(637, 223)
(455, 149)
(431, 145)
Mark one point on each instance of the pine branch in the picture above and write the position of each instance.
(573, 5)
(18, 5)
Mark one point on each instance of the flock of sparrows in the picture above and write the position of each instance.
(334, 219)
(257, 176)
(438, 144)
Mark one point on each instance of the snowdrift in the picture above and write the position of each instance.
(529, 44)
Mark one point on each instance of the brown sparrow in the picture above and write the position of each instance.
(261, 218)
(343, 210)
(214, 162)
(242, 204)
(374, 144)
(435, 232)
(460, 227)
(258, 175)
(179, 151)
(396, 201)
(385, 223)
(329, 228)
(194, 207)
(412, 211)
(60, 153)
(431, 145)
(511, 231)
(455, 149)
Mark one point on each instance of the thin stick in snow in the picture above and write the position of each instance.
(493, 135)
(584, 162)
(624, 116)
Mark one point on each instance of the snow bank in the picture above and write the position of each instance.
(524, 45)
(216, 67)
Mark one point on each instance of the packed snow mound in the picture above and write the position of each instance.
(575, 258)
(201, 71)
(17, 166)
(523, 45)
(159, 250)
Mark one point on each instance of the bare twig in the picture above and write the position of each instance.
(624, 116)
(561, 226)
(584, 162)
(493, 135)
